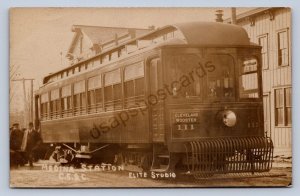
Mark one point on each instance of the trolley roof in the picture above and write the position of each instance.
(191, 33)
(213, 33)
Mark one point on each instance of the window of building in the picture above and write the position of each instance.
(283, 106)
(134, 84)
(79, 98)
(263, 42)
(112, 90)
(94, 94)
(283, 48)
(54, 103)
(66, 104)
(288, 106)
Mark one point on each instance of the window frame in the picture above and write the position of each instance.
(77, 110)
(113, 104)
(284, 30)
(266, 36)
(258, 71)
(44, 109)
(284, 107)
(92, 95)
(202, 95)
(66, 108)
(232, 75)
(132, 101)
(55, 106)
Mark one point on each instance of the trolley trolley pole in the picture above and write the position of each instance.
(23, 80)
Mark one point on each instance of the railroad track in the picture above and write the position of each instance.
(180, 175)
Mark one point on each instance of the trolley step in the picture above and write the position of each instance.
(201, 176)
(165, 156)
(159, 170)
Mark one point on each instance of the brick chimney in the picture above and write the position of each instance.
(219, 14)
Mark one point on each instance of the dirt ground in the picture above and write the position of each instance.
(66, 177)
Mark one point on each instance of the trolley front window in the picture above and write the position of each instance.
(206, 78)
(249, 87)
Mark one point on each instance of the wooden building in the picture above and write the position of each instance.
(91, 40)
(271, 28)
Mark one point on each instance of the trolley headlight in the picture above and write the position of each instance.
(229, 118)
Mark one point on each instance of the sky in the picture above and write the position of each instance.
(40, 37)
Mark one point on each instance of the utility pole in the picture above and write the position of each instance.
(61, 58)
(31, 100)
(23, 80)
(25, 105)
(233, 15)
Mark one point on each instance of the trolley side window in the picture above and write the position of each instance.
(54, 103)
(134, 84)
(249, 87)
(94, 94)
(79, 98)
(44, 106)
(66, 104)
(113, 90)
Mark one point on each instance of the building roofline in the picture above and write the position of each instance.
(80, 29)
(252, 12)
(71, 47)
(105, 27)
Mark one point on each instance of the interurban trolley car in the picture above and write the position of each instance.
(182, 97)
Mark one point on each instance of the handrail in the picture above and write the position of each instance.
(95, 108)
(112, 105)
(134, 101)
